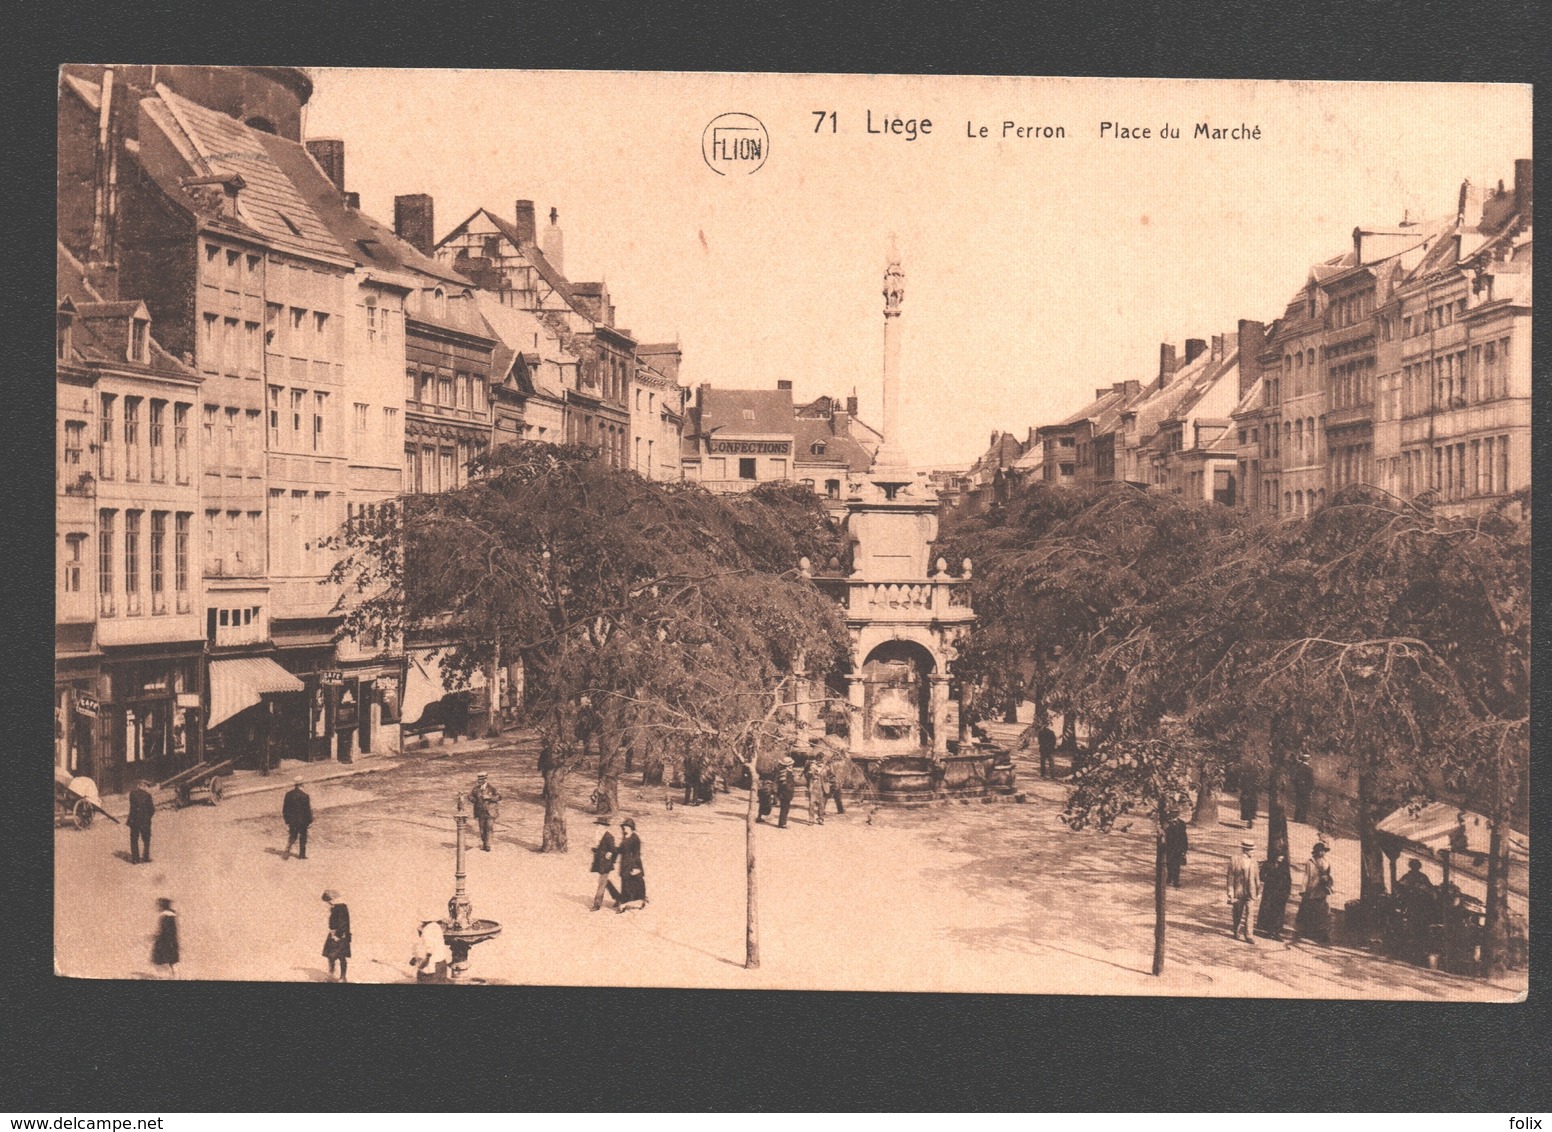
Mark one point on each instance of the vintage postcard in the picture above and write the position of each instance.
(867, 532)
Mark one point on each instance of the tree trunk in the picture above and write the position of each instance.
(1495, 933)
(493, 693)
(1276, 815)
(554, 771)
(1158, 890)
(751, 889)
(1371, 857)
(607, 796)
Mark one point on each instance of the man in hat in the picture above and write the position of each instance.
(142, 808)
(1045, 740)
(604, 854)
(786, 789)
(816, 772)
(486, 801)
(1243, 885)
(296, 809)
(1176, 844)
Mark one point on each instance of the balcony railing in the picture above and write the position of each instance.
(940, 598)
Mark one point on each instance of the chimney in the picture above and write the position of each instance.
(851, 405)
(1217, 347)
(781, 384)
(1524, 183)
(525, 221)
(1102, 392)
(840, 422)
(353, 200)
(1167, 363)
(1252, 342)
(555, 243)
(329, 153)
(413, 221)
(1195, 348)
(1131, 389)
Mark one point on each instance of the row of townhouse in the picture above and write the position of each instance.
(247, 362)
(1403, 363)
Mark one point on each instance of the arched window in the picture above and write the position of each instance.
(1298, 502)
(1288, 502)
(817, 448)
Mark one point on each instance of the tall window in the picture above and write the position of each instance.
(253, 441)
(445, 389)
(320, 410)
(253, 350)
(411, 384)
(106, 441)
(274, 417)
(463, 392)
(180, 559)
(132, 562)
(479, 394)
(232, 447)
(132, 438)
(180, 443)
(105, 562)
(75, 444)
(158, 447)
(72, 565)
(446, 479)
(298, 397)
(212, 439)
(158, 562)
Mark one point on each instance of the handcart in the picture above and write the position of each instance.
(207, 778)
(76, 800)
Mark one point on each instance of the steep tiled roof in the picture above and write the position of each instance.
(364, 239)
(746, 411)
(530, 251)
(100, 333)
(1094, 410)
(514, 331)
(808, 431)
(269, 203)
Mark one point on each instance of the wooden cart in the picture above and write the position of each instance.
(76, 801)
(207, 778)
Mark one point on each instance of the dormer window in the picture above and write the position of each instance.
(817, 448)
(62, 324)
(748, 414)
(139, 340)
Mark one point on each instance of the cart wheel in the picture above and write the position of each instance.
(181, 798)
(83, 814)
(216, 790)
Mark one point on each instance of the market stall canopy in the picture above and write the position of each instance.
(423, 684)
(239, 684)
(1428, 830)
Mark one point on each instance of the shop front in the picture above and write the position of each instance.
(77, 708)
(365, 705)
(248, 710)
(149, 718)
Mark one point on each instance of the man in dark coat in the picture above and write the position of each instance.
(786, 789)
(1303, 788)
(297, 811)
(486, 800)
(1176, 844)
(1276, 887)
(336, 945)
(1046, 740)
(604, 854)
(142, 808)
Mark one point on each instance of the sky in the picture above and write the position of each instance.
(1037, 269)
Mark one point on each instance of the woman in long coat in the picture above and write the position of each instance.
(336, 945)
(164, 952)
(633, 881)
(1276, 887)
(1314, 918)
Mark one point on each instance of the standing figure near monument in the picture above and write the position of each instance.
(486, 801)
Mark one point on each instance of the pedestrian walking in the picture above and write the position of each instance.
(786, 789)
(336, 945)
(296, 809)
(1045, 739)
(164, 951)
(1313, 920)
(142, 808)
(836, 766)
(765, 792)
(1176, 845)
(486, 800)
(1303, 788)
(432, 959)
(1249, 794)
(816, 774)
(604, 854)
(1242, 888)
(1276, 887)
(633, 879)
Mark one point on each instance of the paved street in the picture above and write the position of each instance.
(957, 897)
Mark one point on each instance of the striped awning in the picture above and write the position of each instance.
(238, 684)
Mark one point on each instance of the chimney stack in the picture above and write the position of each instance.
(1524, 183)
(1217, 347)
(1167, 363)
(414, 221)
(555, 243)
(329, 153)
(1252, 341)
(781, 383)
(526, 230)
(851, 404)
(1195, 348)
(353, 200)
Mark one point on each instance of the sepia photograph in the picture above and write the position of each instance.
(1060, 536)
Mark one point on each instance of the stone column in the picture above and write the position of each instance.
(890, 454)
(966, 697)
(855, 721)
(938, 706)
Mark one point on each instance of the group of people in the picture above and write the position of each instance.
(625, 855)
(778, 791)
(1272, 881)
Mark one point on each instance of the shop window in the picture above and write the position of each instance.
(746, 467)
